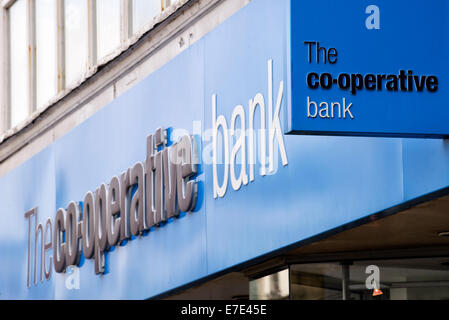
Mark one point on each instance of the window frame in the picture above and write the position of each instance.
(6, 72)
(5, 66)
(126, 33)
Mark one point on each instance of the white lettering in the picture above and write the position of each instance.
(309, 103)
(346, 109)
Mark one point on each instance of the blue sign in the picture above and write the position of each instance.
(370, 68)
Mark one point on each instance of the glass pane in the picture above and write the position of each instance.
(19, 61)
(46, 35)
(75, 39)
(108, 26)
(143, 12)
(272, 287)
(410, 279)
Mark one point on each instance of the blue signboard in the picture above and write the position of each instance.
(366, 68)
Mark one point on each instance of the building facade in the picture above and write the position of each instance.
(224, 149)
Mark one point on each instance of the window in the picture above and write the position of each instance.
(18, 37)
(108, 26)
(46, 62)
(51, 44)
